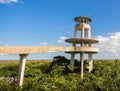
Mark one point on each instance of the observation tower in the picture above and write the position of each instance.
(82, 43)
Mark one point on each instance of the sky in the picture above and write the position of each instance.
(50, 22)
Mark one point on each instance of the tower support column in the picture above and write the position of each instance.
(89, 33)
(82, 63)
(90, 62)
(72, 61)
(21, 69)
(82, 33)
(75, 33)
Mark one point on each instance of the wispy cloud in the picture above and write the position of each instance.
(62, 39)
(3, 44)
(44, 43)
(109, 45)
(8, 1)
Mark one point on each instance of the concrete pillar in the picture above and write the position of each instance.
(90, 62)
(73, 58)
(82, 61)
(72, 61)
(75, 33)
(82, 33)
(82, 64)
(21, 68)
(89, 45)
(80, 56)
(89, 33)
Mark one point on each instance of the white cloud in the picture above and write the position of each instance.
(3, 44)
(8, 1)
(109, 45)
(6, 45)
(62, 39)
(44, 43)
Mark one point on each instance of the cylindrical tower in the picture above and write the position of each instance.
(85, 43)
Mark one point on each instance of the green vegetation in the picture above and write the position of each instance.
(57, 76)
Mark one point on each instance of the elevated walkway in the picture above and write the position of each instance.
(13, 50)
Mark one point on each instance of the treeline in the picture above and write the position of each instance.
(57, 76)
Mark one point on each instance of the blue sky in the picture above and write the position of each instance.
(49, 22)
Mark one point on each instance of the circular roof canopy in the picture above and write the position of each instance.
(78, 19)
(79, 40)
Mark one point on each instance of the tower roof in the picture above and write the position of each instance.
(79, 18)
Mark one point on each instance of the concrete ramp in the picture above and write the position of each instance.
(43, 49)
(32, 49)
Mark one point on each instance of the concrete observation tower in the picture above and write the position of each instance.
(82, 43)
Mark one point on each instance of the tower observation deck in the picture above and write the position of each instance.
(83, 44)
